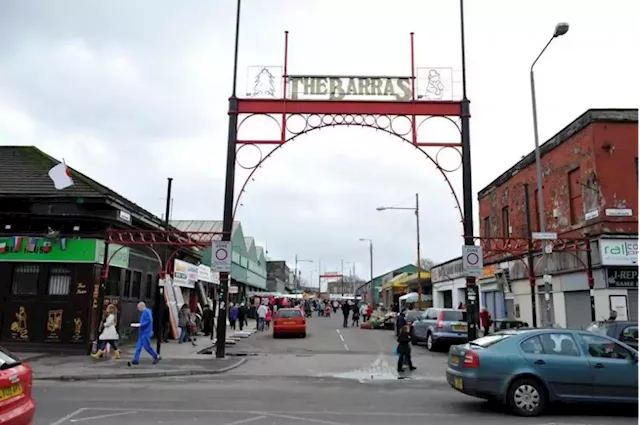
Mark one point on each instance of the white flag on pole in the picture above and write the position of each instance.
(61, 176)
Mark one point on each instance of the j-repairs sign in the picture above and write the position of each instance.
(619, 252)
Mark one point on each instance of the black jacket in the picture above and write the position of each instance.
(346, 309)
(403, 342)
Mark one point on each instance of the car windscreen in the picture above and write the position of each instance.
(413, 315)
(454, 316)
(486, 341)
(287, 314)
(600, 328)
(7, 360)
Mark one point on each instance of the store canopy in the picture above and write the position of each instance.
(397, 282)
(412, 297)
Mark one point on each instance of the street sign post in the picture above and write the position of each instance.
(472, 262)
(545, 236)
(221, 256)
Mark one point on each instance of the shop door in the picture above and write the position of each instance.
(448, 299)
(54, 295)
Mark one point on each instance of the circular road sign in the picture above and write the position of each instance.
(472, 258)
(221, 254)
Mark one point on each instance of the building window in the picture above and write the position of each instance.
(112, 286)
(136, 285)
(59, 281)
(148, 289)
(127, 283)
(487, 227)
(506, 226)
(25, 280)
(576, 208)
(536, 213)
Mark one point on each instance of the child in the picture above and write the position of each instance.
(356, 318)
(267, 318)
(327, 311)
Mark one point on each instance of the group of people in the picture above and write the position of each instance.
(356, 310)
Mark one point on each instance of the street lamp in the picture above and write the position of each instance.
(296, 280)
(416, 210)
(561, 29)
(370, 263)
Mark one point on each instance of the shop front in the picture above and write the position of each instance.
(619, 259)
(49, 288)
(393, 289)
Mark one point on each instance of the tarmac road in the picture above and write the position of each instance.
(334, 376)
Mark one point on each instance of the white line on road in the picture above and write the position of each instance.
(69, 416)
(109, 415)
(338, 330)
(244, 421)
(315, 421)
(341, 338)
(345, 347)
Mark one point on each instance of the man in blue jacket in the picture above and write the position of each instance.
(144, 335)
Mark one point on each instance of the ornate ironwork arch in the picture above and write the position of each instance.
(382, 123)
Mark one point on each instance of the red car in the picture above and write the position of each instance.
(289, 321)
(17, 407)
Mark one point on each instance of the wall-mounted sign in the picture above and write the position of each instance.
(185, 274)
(340, 88)
(124, 216)
(618, 212)
(591, 214)
(619, 252)
(118, 255)
(622, 277)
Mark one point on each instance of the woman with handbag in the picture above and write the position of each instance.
(109, 334)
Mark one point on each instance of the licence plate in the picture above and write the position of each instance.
(455, 360)
(457, 383)
(10, 392)
(289, 322)
(460, 328)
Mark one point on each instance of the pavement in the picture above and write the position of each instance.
(177, 360)
(334, 376)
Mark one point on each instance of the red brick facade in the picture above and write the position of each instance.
(588, 167)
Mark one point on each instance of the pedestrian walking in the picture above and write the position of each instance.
(109, 334)
(400, 322)
(363, 312)
(346, 308)
(183, 322)
(369, 311)
(233, 316)
(268, 317)
(242, 315)
(262, 315)
(144, 336)
(485, 320)
(404, 349)
(355, 318)
(166, 322)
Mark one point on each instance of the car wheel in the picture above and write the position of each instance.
(431, 345)
(414, 340)
(275, 335)
(527, 397)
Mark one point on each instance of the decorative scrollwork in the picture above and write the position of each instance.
(518, 246)
(161, 237)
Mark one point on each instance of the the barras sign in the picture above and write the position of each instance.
(341, 88)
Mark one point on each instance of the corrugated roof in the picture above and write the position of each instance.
(201, 225)
(248, 241)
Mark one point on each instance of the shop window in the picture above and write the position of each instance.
(127, 283)
(506, 225)
(25, 280)
(112, 287)
(59, 281)
(148, 288)
(136, 285)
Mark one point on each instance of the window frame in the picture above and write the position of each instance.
(69, 273)
(16, 266)
(506, 222)
(609, 340)
(149, 284)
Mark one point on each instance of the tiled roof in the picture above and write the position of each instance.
(24, 171)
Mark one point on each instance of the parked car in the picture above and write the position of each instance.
(624, 331)
(440, 326)
(529, 368)
(289, 321)
(17, 407)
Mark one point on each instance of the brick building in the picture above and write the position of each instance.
(590, 189)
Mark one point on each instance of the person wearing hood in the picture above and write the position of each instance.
(401, 320)
(233, 316)
(485, 320)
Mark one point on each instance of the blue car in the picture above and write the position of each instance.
(529, 368)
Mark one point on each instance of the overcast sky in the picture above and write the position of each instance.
(133, 92)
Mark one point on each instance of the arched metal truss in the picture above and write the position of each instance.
(379, 122)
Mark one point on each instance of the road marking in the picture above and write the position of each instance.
(345, 347)
(276, 412)
(70, 415)
(341, 338)
(244, 421)
(316, 421)
(338, 330)
(108, 415)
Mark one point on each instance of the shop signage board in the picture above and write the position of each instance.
(622, 277)
(185, 274)
(619, 252)
(67, 250)
(545, 236)
(472, 262)
(221, 256)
